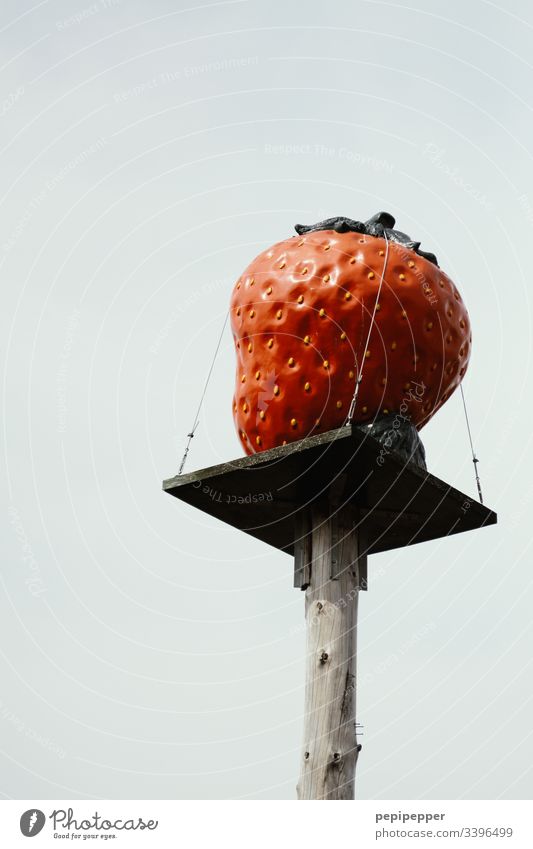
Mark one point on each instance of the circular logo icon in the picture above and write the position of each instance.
(32, 822)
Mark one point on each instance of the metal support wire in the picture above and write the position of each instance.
(353, 402)
(474, 458)
(197, 416)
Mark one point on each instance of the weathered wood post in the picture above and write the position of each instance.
(332, 583)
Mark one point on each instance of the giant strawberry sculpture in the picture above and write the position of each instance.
(340, 305)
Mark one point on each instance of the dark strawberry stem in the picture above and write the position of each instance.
(380, 225)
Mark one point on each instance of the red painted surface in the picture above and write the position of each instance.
(300, 315)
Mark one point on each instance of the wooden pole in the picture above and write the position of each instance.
(329, 568)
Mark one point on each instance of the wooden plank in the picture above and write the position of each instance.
(362, 571)
(302, 548)
(362, 556)
(344, 518)
(336, 493)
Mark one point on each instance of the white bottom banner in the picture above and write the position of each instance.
(255, 825)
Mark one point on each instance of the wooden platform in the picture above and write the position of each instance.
(396, 503)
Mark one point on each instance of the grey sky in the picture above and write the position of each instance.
(149, 151)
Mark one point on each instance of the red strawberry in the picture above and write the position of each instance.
(301, 313)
